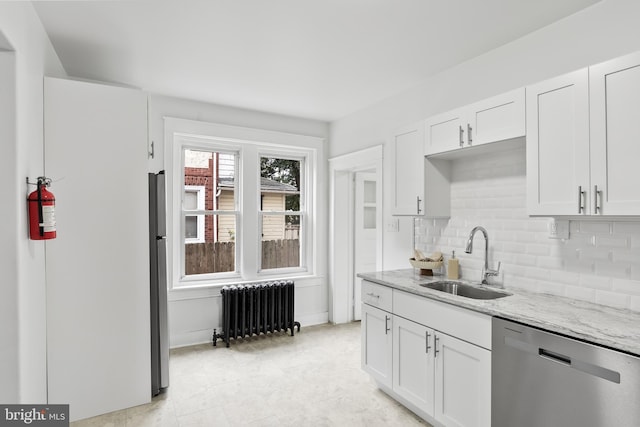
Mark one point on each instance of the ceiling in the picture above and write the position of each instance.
(321, 59)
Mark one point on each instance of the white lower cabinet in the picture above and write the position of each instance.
(442, 378)
(463, 383)
(413, 363)
(377, 343)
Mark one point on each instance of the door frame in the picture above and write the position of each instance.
(341, 226)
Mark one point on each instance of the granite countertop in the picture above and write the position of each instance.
(607, 326)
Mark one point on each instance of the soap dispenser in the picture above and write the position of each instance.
(453, 270)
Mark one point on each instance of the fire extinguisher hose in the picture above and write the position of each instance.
(40, 213)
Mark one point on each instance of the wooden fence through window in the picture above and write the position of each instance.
(202, 258)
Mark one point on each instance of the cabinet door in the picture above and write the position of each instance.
(408, 170)
(377, 341)
(463, 383)
(445, 132)
(558, 145)
(615, 149)
(496, 119)
(413, 363)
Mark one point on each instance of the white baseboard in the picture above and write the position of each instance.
(313, 319)
(185, 339)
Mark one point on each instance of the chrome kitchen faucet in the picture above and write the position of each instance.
(486, 272)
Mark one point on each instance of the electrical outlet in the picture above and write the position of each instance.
(558, 228)
(393, 225)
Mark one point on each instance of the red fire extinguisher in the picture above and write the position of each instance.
(42, 216)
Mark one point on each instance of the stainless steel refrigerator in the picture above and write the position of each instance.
(158, 288)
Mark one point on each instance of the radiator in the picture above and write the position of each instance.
(256, 309)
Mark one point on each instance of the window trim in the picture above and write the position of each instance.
(249, 144)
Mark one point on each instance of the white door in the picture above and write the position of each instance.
(463, 383)
(558, 145)
(377, 342)
(615, 109)
(413, 363)
(365, 233)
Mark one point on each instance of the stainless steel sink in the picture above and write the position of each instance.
(464, 290)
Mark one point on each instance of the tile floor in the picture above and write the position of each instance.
(312, 379)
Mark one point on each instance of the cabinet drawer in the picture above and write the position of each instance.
(459, 322)
(377, 295)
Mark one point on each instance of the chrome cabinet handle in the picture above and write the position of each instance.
(418, 204)
(386, 324)
(437, 351)
(469, 134)
(461, 136)
(428, 346)
(580, 199)
(371, 294)
(596, 194)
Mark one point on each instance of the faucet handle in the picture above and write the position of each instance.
(494, 272)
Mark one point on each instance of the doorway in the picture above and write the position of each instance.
(356, 228)
(364, 232)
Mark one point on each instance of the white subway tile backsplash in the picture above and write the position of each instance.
(593, 254)
(610, 269)
(594, 282)
(628, 228)
(538, 249)
(631, 287)
(600, 262)
(550, 262)
(595, 227)
(612, 241)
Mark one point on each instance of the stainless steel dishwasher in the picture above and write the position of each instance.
(541, 379)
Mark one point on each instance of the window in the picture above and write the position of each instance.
(209, 211)
(281, 212)
(242, 204)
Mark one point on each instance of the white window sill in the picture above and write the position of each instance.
(212, 289)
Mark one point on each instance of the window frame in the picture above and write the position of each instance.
(304, 202)
(213, 146)
(248, 144)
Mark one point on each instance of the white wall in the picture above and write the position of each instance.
(606, 30)
(22, 290)
(194, 313)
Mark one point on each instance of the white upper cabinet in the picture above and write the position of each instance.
(581, 156)
(408, 170)
(445, 132)
(494, 119)
(420, 188)
(615, 147)
(558, 145)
